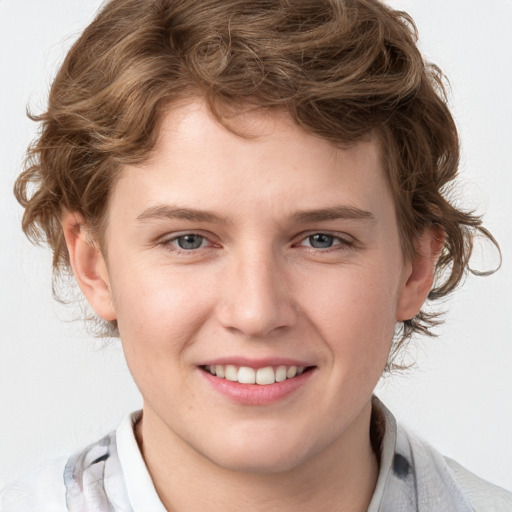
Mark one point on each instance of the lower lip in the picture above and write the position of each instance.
(256, 394)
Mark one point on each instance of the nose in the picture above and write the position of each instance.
(257, 299)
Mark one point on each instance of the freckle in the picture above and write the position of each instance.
(401, 466)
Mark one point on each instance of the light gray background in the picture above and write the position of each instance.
(59, 389)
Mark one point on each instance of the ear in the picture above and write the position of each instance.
(88, 265)
(419, 273)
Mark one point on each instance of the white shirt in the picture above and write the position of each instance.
(111, 476)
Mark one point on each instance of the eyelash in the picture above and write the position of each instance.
(339, 242)
(171, 247)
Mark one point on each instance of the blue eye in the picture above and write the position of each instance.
(324, 241)
(321, 241)
(189, 242)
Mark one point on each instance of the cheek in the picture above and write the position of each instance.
(159, 318)
(159, 311)
(364, 298)
(356, 314)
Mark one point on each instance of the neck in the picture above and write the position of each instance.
(340, 478)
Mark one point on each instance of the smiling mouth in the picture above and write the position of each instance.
(261, 376)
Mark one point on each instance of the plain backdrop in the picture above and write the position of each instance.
(60, 389)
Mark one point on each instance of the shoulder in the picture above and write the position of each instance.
(90, 479)
(482, 494)
(68, 483)
(42, 489)
(415, 476)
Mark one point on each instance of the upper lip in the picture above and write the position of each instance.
(255, 362)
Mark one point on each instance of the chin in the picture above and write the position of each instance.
(258, 457)
(258, 463)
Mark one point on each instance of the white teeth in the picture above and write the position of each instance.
(265, 376)
(231, 372)
(291, 372)
(246, 375)
(262, 376)
(281, 373)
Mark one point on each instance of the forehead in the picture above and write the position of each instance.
(275, 166)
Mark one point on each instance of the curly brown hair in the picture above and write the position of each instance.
(343, 69)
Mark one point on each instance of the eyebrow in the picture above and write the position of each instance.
(169, 212)
(194, 215)
(334, 213)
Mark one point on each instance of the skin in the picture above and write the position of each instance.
(255, 288)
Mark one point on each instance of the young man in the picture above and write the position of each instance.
(249, 195)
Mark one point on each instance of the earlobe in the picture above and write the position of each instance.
(420, 273)
(88, 265)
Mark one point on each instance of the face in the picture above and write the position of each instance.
(273, 259)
